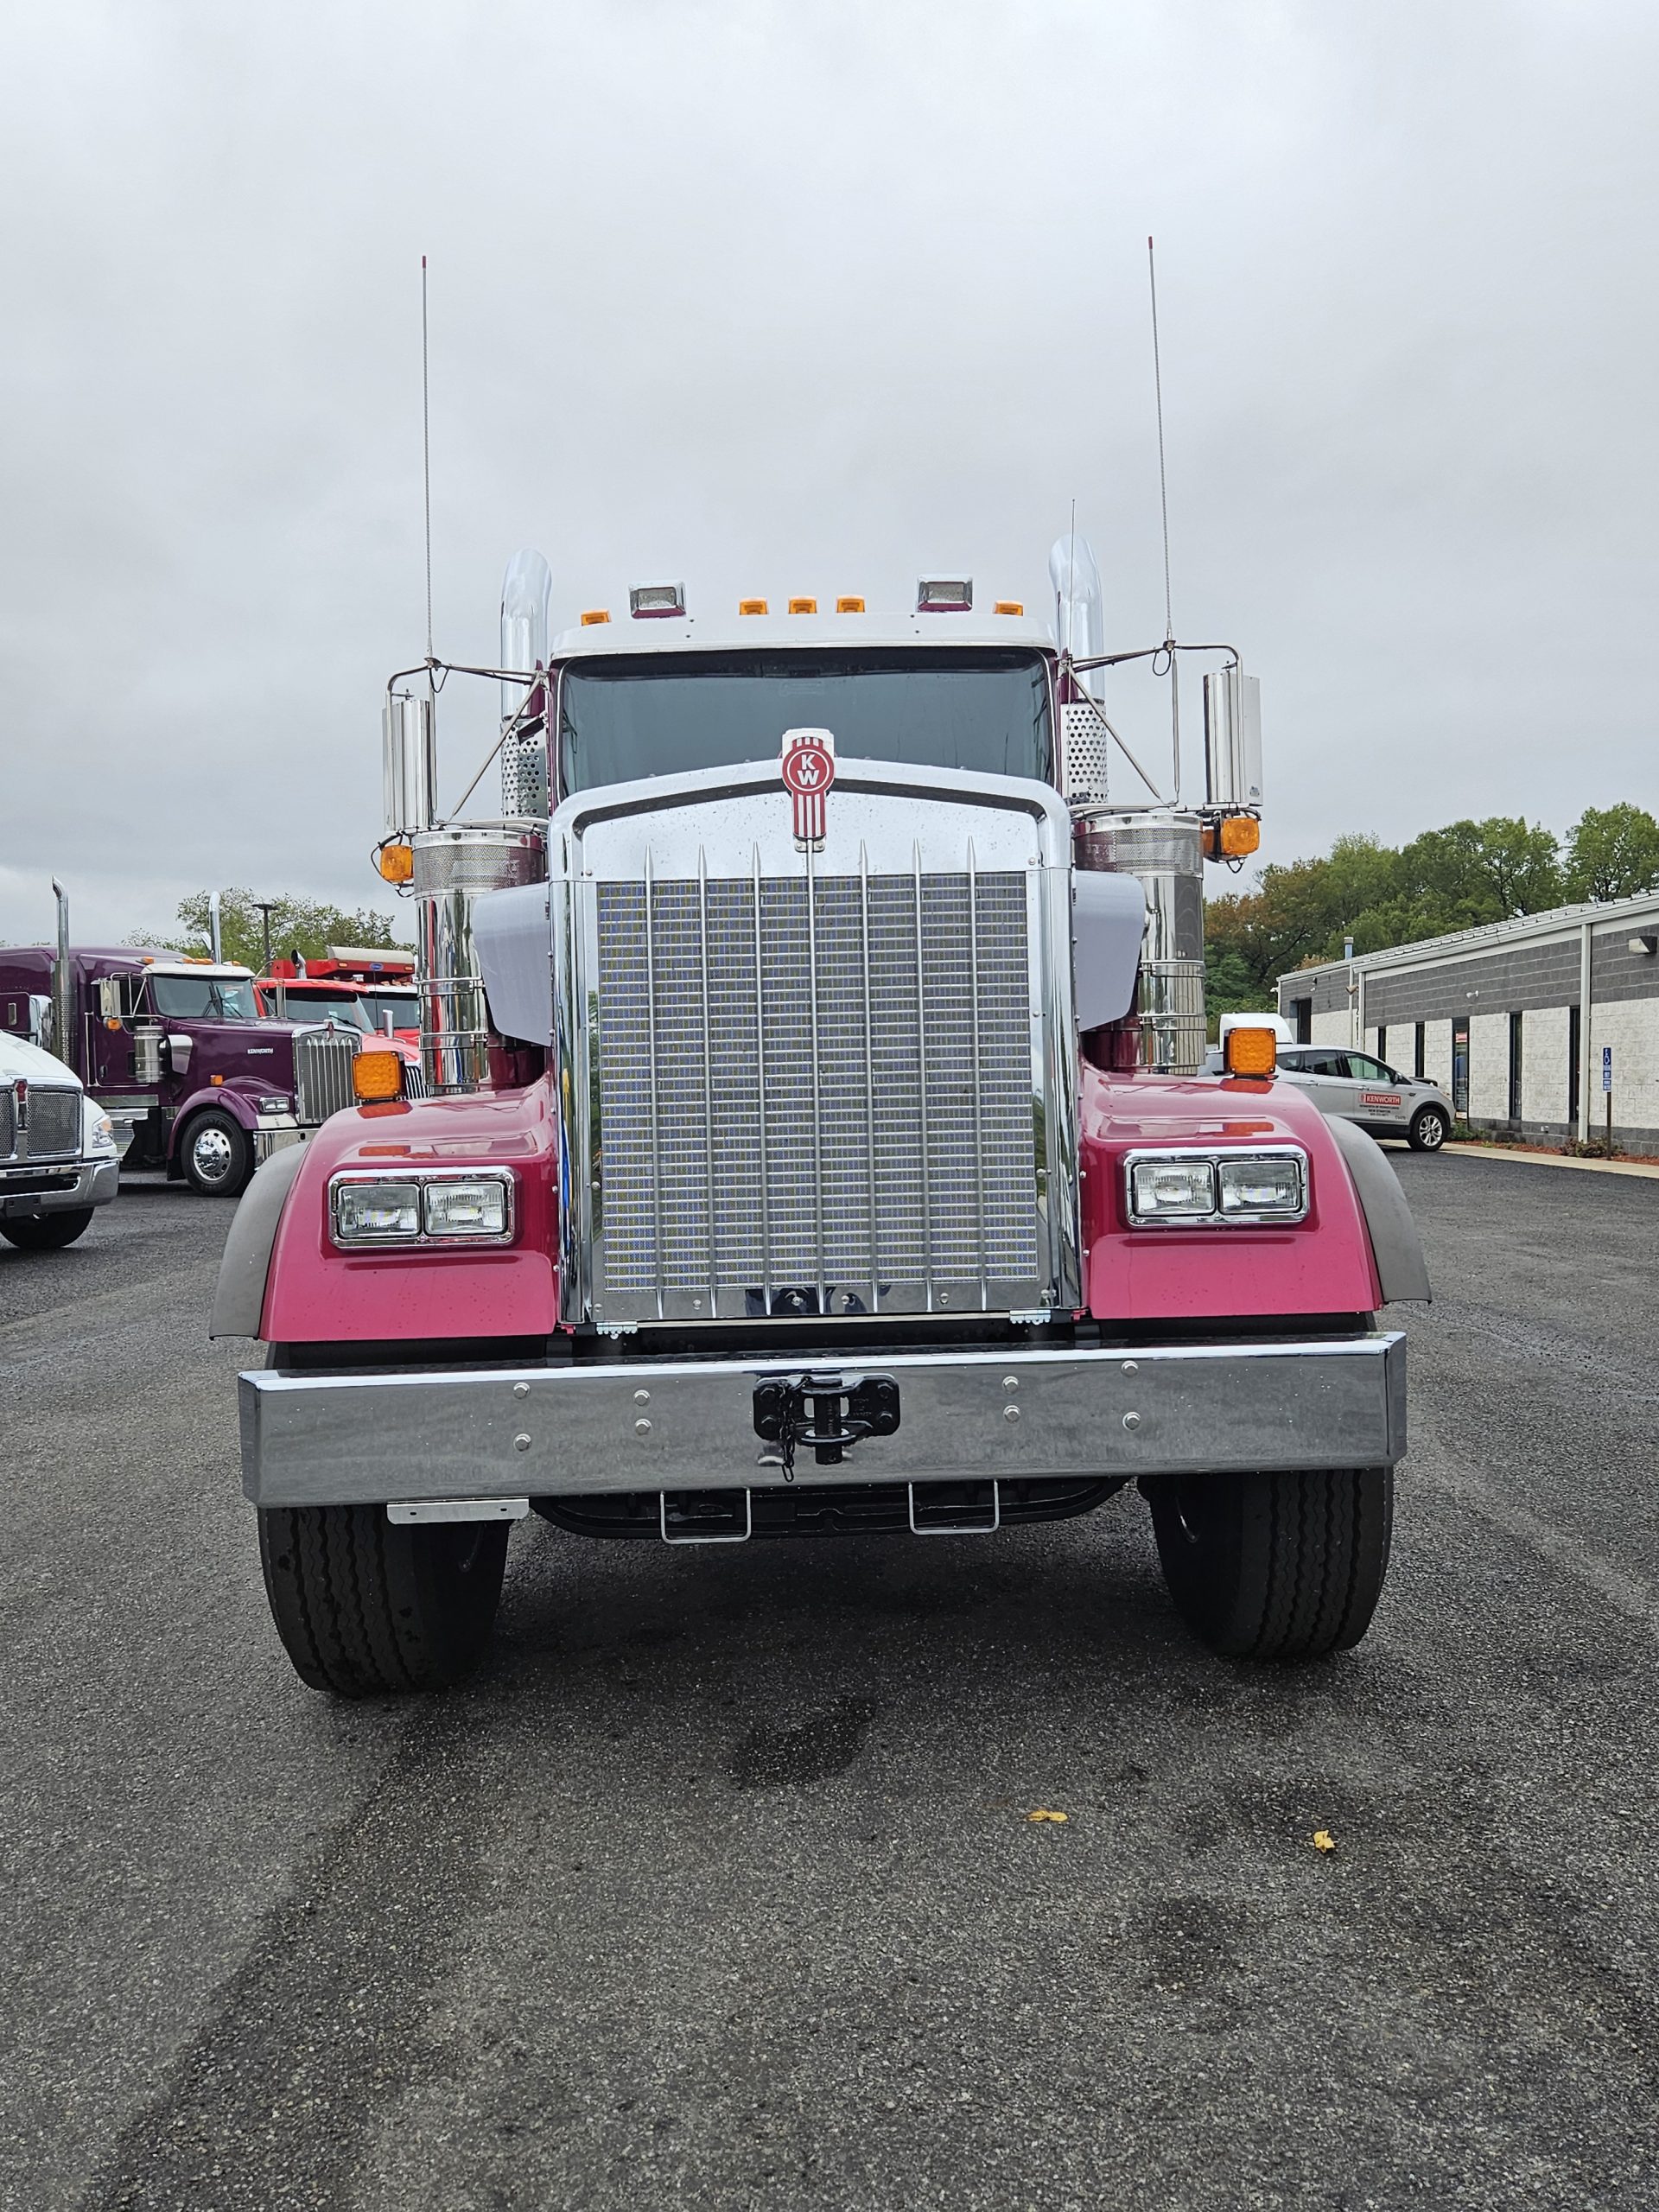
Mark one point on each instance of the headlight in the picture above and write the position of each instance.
(1187, 1188)
(103, 1137)
(422, 1208)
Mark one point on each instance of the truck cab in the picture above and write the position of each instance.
(839, 1159)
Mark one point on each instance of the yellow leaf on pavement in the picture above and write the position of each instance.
(1323, 1841)
(1041, 1815)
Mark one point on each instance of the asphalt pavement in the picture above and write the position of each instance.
(719, 1887)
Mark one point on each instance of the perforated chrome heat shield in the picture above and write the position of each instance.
(838, 1082)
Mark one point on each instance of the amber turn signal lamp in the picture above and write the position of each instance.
(1251, 1052)
(375, 1076)
(752, 606)
(395, 863)
(850, 605)
(1010, 606)
(1240, 833)
(595, 614)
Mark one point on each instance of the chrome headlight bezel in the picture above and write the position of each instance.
(421, 1237)
(1216, 1158)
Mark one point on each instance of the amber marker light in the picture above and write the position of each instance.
(1251, 1052)
(752, 606)
(845, 606)
(376, 1077)
(1010, 605)
(395, 863)
(1240, 833)
(593, 614)
(802, 605)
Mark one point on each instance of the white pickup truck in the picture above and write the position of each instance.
(57, 1158)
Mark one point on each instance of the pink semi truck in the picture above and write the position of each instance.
(816, 1145)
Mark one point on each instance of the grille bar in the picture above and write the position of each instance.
(8, 1122)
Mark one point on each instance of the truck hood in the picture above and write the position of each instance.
(18, 1057)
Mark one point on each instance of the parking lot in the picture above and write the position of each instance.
(720, 1886)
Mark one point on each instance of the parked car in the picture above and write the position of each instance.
(1358, 1087)
(58, 1160)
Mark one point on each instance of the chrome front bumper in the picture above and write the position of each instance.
(75, 1183)
(342, 1438)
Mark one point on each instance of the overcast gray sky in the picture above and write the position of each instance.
(802, 298)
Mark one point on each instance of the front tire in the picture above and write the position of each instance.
(1429, 1129)
(47, 1232)
(1282, 1566)
(365, 1608)
(217, 1154)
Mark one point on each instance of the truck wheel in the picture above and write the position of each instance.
(217, 1154)
(365, 1608)
(1428, 1130)
(47, 1232)
(1282, 1566)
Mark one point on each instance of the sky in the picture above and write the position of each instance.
(810, 298)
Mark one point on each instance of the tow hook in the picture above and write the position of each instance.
(830, 1412)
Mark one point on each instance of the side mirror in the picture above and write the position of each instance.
(40, 1021)
(109, 997)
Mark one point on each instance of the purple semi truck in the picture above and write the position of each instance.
(176, 1052)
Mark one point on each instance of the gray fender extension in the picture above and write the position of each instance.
(1395, 1245)
(239, 1297)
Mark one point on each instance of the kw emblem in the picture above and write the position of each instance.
(808, 768)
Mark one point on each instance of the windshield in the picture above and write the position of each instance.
(205, 998)
(984, 708)
(314, 1006)
(403, 1006)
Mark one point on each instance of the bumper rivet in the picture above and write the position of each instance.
(1131, 1367)
(1010, 1382)
(1131, 1420)
(521, 1389)
(1010, 1413)
(642, 1428)
(642, 1397)
(521, 1444)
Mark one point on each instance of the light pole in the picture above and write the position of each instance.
(265, 906)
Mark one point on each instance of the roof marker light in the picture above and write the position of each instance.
(802, 605)
(849, 606)
(752, 606)
(1010, 606)
(945, 595)
(656, 600)
(595, 614)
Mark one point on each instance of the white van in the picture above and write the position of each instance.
(58, 1160)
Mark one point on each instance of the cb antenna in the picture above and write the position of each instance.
(426, 459)
(1163, 478)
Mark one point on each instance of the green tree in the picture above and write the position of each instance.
(1486, 871)
(309, 925)
(1612, 852)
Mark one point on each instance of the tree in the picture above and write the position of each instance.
(1473, 872)
(1612, 852)
(307, 924)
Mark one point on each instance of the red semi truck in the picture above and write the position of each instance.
(816, 1146)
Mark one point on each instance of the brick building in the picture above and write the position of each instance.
(1513, 1019)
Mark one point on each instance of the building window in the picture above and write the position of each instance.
(1419, 1053)
(1515, 1066)
(1383, 1042)
(1301, 1020)
(1461, 1065)
(1574, 1038)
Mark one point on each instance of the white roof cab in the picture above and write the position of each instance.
(58, 1160)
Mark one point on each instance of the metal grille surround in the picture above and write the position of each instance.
(8, 1122)
(53, 1123)
(322, 1075)
(815, 1096)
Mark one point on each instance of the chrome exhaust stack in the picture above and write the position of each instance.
(63, 990)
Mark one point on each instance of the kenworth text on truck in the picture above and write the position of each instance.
(816, 1144)
(177, 1053)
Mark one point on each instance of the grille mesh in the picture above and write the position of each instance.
(836, 1096)
(53, 1123)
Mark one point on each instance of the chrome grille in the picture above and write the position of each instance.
(8, 1123)
(322, 1074)
(815, 1096)
(53, 1124)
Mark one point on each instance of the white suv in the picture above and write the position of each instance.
(1358, 1087)
(57, 1159)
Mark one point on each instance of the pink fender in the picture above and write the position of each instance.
(315, 1294)
(1322, 1265)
